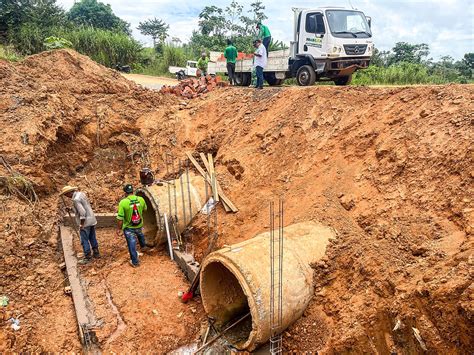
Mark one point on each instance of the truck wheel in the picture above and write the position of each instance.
(343, 80)
(242, 79)
(306, 76)
(246, 79)
(271, 79)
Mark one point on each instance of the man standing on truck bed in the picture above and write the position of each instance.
(264, 35)
(202, 63)
(130, 221)
(230, 55)
(260, 61)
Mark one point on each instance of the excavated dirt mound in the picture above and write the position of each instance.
(391, 169)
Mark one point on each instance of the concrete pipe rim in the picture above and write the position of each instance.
(143, 192)
(251, 342)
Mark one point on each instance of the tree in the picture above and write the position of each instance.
(469, 60)
(234, 12)
(410, 53)
(39, 13)
(257, 15)
(212, 21)
(155, 28)
(97, 14)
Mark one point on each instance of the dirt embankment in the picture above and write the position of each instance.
(390, 169)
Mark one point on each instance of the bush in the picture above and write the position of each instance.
(153, 62)
(9, 53)
(396, 74)
(56, 43)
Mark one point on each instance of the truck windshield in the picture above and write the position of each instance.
(348, 24)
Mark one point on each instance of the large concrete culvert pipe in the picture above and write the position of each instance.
(236, 280)
(186, 198)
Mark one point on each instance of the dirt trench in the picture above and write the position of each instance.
(389, 168)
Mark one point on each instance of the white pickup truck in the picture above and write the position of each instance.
(329, 43)
(188, 71)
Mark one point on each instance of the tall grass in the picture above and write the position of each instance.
(397, 74)
(9, 53)
(105, 47)
(154, 63)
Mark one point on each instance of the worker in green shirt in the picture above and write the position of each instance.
(202, 63)
(130, 222)
(230, 55)
(264, 35)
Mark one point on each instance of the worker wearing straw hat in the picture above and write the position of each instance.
(86, 221)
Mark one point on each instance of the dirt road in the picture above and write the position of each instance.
(151, 82)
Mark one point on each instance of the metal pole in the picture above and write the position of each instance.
(182, 195)
(189, 191)
(170, 245)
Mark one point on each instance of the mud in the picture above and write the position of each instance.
(391, 169)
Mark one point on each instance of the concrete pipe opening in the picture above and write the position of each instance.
(227, 301)
(181, 199)
(236, 280)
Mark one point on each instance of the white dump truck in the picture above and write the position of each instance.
(330, 43)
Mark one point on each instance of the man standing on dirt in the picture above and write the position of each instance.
(260, 62)
(86, 221)
(264, 35)
(130, 222)
(230, 55)
(202, 64)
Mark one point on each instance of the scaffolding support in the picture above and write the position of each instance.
(276, 281)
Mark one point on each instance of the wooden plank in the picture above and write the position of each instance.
(212, 173)
(206, 163)
(104, 220)
(205, 175)
(204, 160)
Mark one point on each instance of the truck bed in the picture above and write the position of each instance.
(277, 62)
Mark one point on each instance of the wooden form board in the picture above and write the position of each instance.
(83, 314)
(225, 199)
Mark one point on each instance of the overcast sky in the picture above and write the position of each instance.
(446, 25)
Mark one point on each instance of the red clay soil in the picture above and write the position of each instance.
(391, 169)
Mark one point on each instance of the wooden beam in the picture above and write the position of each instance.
(104, 220)
(206, 176)
(206, 164)
(212, 173)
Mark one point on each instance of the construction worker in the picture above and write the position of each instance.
(130, 222)
(264, 35)
(202, 63)
(86, 221)
(230, 55)
(260, 61)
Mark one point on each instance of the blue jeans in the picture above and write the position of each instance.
(131, 235)
(259, 71)
(266, 43)
(88, 240)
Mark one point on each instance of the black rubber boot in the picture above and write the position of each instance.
(96, 253)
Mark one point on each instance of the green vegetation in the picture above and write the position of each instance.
(409, 64)
(9, 53)
(56, 43)
(91, 27)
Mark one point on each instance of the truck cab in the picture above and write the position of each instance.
(330, 43)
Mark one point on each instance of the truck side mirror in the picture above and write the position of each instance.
(369, 21)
